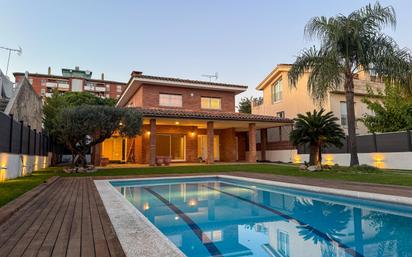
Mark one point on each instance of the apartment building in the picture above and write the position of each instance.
(282, 100)
(74, 80)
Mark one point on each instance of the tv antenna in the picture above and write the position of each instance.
(18, 51)
(210, 76)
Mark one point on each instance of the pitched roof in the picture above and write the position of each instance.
(207, 115)
(138, 74)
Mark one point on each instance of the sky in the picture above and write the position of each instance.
(242, 40)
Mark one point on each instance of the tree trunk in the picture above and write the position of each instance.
(320, 155)
(80, 160)
(350, 108)
(314, 155)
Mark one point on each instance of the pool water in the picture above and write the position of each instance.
(228, 217)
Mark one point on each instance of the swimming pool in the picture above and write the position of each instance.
(218, 216)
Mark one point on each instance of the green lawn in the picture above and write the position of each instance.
(13, 188)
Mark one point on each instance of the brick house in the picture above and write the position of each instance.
(72, 80)
(188, 121)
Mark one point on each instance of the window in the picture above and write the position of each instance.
(211, 103)
(171, 145)
(277, 91)
(213, 236)
(280, 114)
(343, 114)
(274, 134)
(170, 100)
(283, 243)
(119, 89)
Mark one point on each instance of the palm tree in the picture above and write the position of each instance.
(348, 45)
(318, 130)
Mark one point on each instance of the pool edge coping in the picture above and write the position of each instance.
(136, 234)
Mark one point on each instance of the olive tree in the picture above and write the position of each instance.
(84, 126)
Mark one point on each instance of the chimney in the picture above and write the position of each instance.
(136, 73)
(49, 71)
(26, 74)
(102, 76)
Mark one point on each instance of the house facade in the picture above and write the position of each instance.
(282, 100)
(74, 80)
(186, 121)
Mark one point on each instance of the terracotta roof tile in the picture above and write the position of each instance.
(140, 75)
(208, 115)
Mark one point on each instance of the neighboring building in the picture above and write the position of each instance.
(21, 101)
(23, 146)
(74, 80)
(186, 121)
(281, 100)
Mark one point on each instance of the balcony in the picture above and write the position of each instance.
(100, 89)
(51, 84)
(63, 86)
(89, 87)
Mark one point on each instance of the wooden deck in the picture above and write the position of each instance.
(66, 219)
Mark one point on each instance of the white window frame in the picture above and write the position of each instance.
(280, 114)
(343, 115)
(170, 102)
(283, 247)
(209, 101)
(276, 91)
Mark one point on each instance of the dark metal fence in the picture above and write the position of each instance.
(19, 138)
(381, 142)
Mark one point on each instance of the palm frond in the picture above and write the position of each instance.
(375, 17)
(317, 127)
(324, 70)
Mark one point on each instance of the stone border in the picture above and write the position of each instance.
(137, 235)
(326, 190)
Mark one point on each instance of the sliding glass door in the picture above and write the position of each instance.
(171, 145)
(202, 147)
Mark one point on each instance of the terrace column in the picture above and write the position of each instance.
(252, 142)
(210, 143)
(152, 161)
(263, 143)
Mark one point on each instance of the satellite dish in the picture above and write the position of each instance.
(20, 51)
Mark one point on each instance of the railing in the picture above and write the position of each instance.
(257, 102)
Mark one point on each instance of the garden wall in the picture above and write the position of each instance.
(22, 149)
(385, 160)
(18, 165)
(384, 150)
